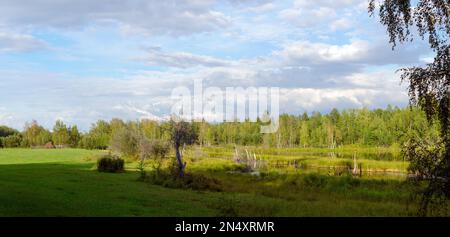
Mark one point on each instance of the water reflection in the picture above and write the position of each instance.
(387, 156)
(254, 165)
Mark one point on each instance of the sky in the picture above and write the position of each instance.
(80, 60)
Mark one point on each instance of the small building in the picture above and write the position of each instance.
(49, 145)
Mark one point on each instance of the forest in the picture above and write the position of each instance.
(379, 127)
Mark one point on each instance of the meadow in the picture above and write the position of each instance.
(65, 182)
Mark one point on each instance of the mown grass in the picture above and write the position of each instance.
(65, 183)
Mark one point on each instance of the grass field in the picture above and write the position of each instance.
(65, 183)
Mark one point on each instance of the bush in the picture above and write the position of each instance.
(126, 142)
(155, 149)
(11, 141)
(7, 131)
(111, 164)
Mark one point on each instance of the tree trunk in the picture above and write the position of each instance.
(181, 165)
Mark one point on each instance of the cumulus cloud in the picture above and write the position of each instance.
(323, 13)
(327, 3)
(152, 17)
(308, 18)
(14, 42)
(6, 118)
(262, 8)
(319, 65)
(341, 24)
(155, 56)
(357, 51)
(322, 100)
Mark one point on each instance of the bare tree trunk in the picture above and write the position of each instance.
(181, 165)
(355, 165)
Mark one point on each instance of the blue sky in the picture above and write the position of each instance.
(82, 60)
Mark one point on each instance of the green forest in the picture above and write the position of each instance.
(379, 127)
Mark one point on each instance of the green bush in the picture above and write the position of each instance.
(126, 142)
(111, 164)
(11, 141)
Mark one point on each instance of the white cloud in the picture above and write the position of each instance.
(266, 7)
(357, 51)
(322, 100)
(142, 111)
(6, 118)
(327, 3)
(14, 42)
(322, 14)
(156, 57)
(304, 51)
(151, 17)
(307, 17)
(341, 24)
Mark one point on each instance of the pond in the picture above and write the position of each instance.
(335, 164)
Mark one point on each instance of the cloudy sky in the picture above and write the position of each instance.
(84, 60)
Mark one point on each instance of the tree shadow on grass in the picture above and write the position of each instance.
(77, 189)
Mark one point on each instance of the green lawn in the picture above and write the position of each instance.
(65, 183)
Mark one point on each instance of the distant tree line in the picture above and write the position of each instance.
(35, 135)
(379, 127)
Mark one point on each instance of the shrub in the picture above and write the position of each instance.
(126, 141)
(7, 131)
(11, 141)
(155, 149)
(111, 164)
